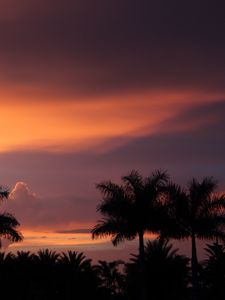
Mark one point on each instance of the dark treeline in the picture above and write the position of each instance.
(157, 205)
(153, 204)
(71, 275)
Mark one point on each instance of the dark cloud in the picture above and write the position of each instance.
(86, 47)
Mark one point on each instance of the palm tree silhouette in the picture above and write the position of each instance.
(46, 276)
(131, 209)
(196, 213)
(111, 278)
(47, 257)
(166, 272)
(8, 223)
(7, 275)
(213, 273)
(23, 269)
(6, 257)
(76, 262)
(79, 280)
(24, 256)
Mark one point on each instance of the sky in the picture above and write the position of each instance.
(90, 90)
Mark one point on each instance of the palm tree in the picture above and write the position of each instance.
(7, 274)
(111, 278)
(213, 273)
(166, 272)
(195, 213)
(24, 256)
(79, 280)
(46, 274)
(23, 272)
(74, 261)
(8, 223)
(6, 257)
(47, 257)
(131, 209)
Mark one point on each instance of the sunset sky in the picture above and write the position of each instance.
(90, 90)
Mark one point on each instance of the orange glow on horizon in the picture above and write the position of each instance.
(36, 240)
(47, 239)
(77, 125)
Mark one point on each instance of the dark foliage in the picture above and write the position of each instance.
(166, 273)
(8, 223)
(131, 209)
(158, 272)
(213, 273)
(195, 213)
(48, 275)
(112, 281)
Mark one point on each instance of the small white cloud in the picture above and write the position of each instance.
(21, 192)
(33, 211)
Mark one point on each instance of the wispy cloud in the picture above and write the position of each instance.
(74, 231)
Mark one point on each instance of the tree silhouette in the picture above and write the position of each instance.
(111, 278)
(195, 213)
(46, 275)
(166, 272)
(23, 257)
(47, 257)
(6, 257)
(49, 275)
(213, 274)
(8, 223)
(76, 262)
(23, 266)
(131, 209)
(79, 280)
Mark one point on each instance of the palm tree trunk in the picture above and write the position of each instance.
(194, 268)
(141, 246)
(143, 287)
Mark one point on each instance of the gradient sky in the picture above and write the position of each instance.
(90, 90)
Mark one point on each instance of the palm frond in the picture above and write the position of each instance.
(214, 250)
(109, 189)
(134, 182)
(218, 202)
(122, 236)
(11, 234)
(114, 207)
(8, 220)
(47, 256)
(201, 191)
(8, 224)
(105, 227)
(214, 234)
(4, 193)
(158, 178)
(75, 261)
